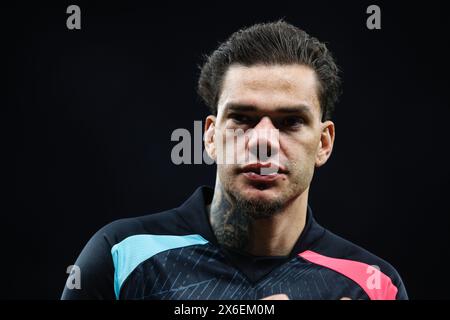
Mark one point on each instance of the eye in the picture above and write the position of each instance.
(240, 118)
(292, 122)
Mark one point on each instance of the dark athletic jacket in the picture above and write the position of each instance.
(174, 255)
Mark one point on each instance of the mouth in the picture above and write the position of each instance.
(263, 172)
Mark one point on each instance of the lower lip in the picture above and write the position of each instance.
(262, 178)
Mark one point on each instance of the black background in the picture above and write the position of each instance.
(88, 114)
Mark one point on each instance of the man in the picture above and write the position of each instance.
(253, 236)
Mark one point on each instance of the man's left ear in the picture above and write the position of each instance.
(326, 143)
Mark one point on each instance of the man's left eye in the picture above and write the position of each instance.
(292, 122)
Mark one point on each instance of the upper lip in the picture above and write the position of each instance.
(256, 167)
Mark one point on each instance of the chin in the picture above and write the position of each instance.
(259, 202)
(264, 193)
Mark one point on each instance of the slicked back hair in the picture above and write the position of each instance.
(275, 43)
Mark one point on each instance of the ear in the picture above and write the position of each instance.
(326, 143)
(209, 136)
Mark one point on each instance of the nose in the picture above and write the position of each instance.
(264, 141)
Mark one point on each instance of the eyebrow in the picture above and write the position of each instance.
(301, 108)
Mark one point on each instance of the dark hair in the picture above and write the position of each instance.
(271, 44)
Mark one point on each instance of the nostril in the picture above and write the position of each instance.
(261, 154)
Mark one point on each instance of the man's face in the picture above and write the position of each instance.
(265, 99)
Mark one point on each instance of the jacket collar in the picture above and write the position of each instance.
(193, 212)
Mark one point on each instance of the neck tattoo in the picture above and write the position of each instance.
(230, 226)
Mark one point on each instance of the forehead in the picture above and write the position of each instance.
(270, 86)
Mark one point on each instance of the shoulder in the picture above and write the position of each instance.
(378, 277)
(115, 244)
(168, 222)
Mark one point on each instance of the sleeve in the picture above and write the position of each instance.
(92, 276)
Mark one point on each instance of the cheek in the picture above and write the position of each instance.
(301, 159)
(303, 148)
(228, 140)
(302, 171)
(226, 172)
(297, 152)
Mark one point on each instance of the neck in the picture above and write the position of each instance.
(273, 236)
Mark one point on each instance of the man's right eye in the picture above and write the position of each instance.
(240, 118)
